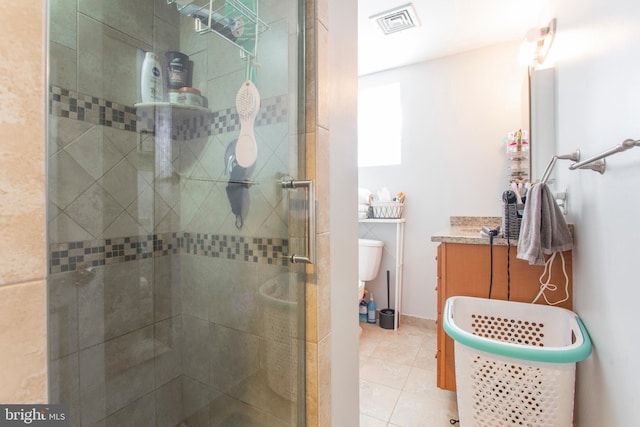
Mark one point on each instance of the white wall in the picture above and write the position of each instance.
(596, 52)
(456, 112)
(344, 228)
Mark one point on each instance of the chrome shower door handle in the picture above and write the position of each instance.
(309, 186)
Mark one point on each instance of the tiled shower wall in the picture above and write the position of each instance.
(114, 318)
(155, 302)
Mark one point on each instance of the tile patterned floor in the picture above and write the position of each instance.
(398, 379)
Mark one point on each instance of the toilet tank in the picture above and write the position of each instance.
(369, 256)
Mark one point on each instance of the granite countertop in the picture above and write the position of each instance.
(466, 229)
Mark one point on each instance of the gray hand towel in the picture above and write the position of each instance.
(543, 228)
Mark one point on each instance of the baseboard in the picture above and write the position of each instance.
(420, 322)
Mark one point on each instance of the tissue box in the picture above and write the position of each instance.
(388, 210)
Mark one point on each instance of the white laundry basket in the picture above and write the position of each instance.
(515, 362)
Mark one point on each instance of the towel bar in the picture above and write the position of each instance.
(600, 167)
(575, 156)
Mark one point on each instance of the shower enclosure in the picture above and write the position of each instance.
(172, 297)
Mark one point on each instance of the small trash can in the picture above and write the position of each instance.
(515, 362)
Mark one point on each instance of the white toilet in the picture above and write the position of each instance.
(369, 256)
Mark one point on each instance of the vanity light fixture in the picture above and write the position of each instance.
(536, 44)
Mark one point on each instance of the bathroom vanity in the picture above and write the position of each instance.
(464, 269)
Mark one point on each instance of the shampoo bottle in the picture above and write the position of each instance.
(151, 83)
(371, 309)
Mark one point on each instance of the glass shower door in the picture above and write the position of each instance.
(172, 297)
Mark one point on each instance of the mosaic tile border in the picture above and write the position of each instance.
(78, 106)
(74, 105)
(250, 249)
(72, 256)
(272, 110)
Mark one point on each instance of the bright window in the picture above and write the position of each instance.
(379, 126)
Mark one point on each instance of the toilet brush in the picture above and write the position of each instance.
(387, 315)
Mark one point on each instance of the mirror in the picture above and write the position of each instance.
(542, 110)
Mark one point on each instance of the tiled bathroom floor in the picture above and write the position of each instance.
(398, 379)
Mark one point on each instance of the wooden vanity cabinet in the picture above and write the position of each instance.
(464, 270)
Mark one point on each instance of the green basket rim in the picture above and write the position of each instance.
(573, 353)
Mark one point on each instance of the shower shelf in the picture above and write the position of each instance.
(160, 117)
(228, 21)
(178, 111)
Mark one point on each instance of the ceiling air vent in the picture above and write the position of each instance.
(397, 19)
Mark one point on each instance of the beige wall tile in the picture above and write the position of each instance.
(67, 179)
(134, 18)
(310, 13)
(317, 164)
(63, 66)
(62, 22)
(312, 384)
(323, 303)
(22, 200)
(311, 80)
(323, 189)
(324, 381)
(167, 12)
(192, 42)
(274, 74)
(322, 76)
(311, 155)
(22, 221)
(22, 204)
(166, 37)
(109, 61)
(311, 299)
(23, 338)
